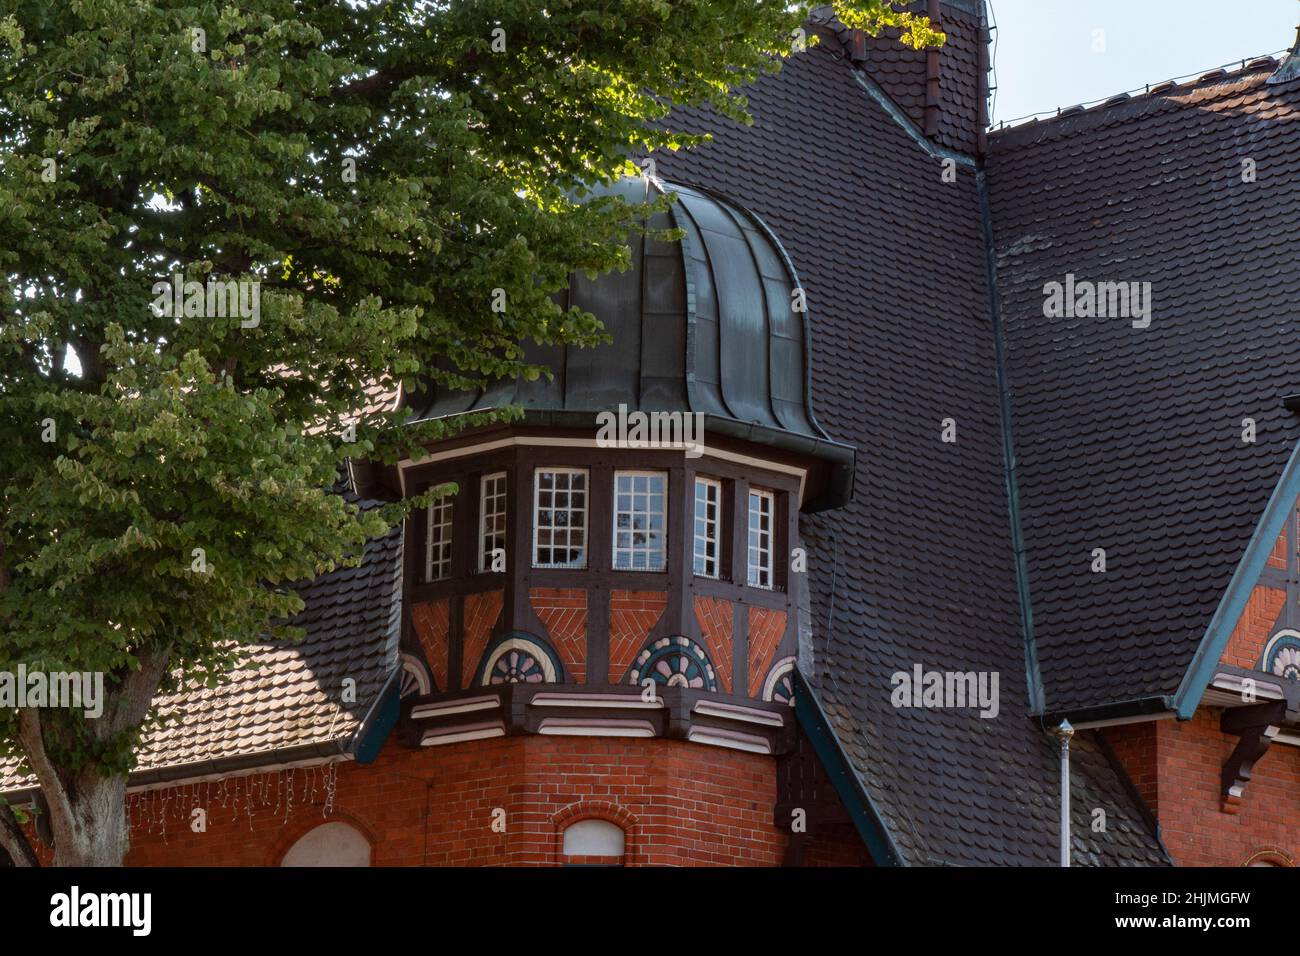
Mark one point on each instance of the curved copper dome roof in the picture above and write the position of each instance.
(706, 325)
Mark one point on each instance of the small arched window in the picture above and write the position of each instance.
(330, 844)
(594, 842)
(1269, 857)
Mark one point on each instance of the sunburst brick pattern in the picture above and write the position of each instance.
(432, 621)
(714, 615)
(632, 615)
(481, 613)
(564, 612)
(766, 627)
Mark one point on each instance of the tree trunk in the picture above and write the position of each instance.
(98, 835)
(13, 841)
(87, 807)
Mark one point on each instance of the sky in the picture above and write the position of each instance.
(1045, 56)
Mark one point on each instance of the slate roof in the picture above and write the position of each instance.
(1130, 439)
(286, 701)
(918, 568)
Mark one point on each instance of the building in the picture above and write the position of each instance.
(1036, 425)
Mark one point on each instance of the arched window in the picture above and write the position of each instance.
(1269, 856)
(594, 841)
(330, 844)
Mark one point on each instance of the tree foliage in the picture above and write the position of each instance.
(386, 173)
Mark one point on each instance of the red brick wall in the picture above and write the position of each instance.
(691, 805)
(1135, 746)
(837, 845)
(1185, 759)
(564, 613)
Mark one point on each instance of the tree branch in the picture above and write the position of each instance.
(14, 840)
(33, 743)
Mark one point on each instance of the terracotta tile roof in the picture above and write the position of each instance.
(918, 568)
(1130, 439)
(288, 697)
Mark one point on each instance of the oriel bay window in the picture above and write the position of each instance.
(724, 530)
(492, 522)
(640, 520)
(560, 518)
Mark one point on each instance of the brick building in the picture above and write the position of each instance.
(635, 654)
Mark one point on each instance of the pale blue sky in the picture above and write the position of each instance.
(1045, 56)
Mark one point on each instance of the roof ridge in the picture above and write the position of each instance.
(1203, 79)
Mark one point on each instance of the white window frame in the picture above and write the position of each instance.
(442, 510)
(586, 513)
(484, 553)
(766, 564)
(700, 543)
(663, 522)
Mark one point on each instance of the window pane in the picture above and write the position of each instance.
(761, 508)
(559, 519)
(437, 551)
(640, 514)
(708, 494)
(492, 521)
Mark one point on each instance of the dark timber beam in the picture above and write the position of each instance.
(1256, 726)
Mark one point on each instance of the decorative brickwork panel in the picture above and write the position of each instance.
(564, 612)
(766, 628)
(1254, 628)
(432, 626)
(1277, 559)
(715, 618)
(481, 614)
(632, 616)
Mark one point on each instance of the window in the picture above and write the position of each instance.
(491, 520)
(590, 838)
(560, 518)
(437, 551)
(330, 844)
(761, 511)
(640, 513)
(708, 503)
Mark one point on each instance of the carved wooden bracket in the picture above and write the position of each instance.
(1256, 726)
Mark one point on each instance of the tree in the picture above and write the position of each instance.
(223, 228)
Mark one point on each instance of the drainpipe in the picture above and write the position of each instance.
(1063, 733)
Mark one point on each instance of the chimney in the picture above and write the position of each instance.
(932, 72)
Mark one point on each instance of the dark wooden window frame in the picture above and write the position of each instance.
(520, 462)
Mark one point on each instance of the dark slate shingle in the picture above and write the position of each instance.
(1130, 439)
(918, 568)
